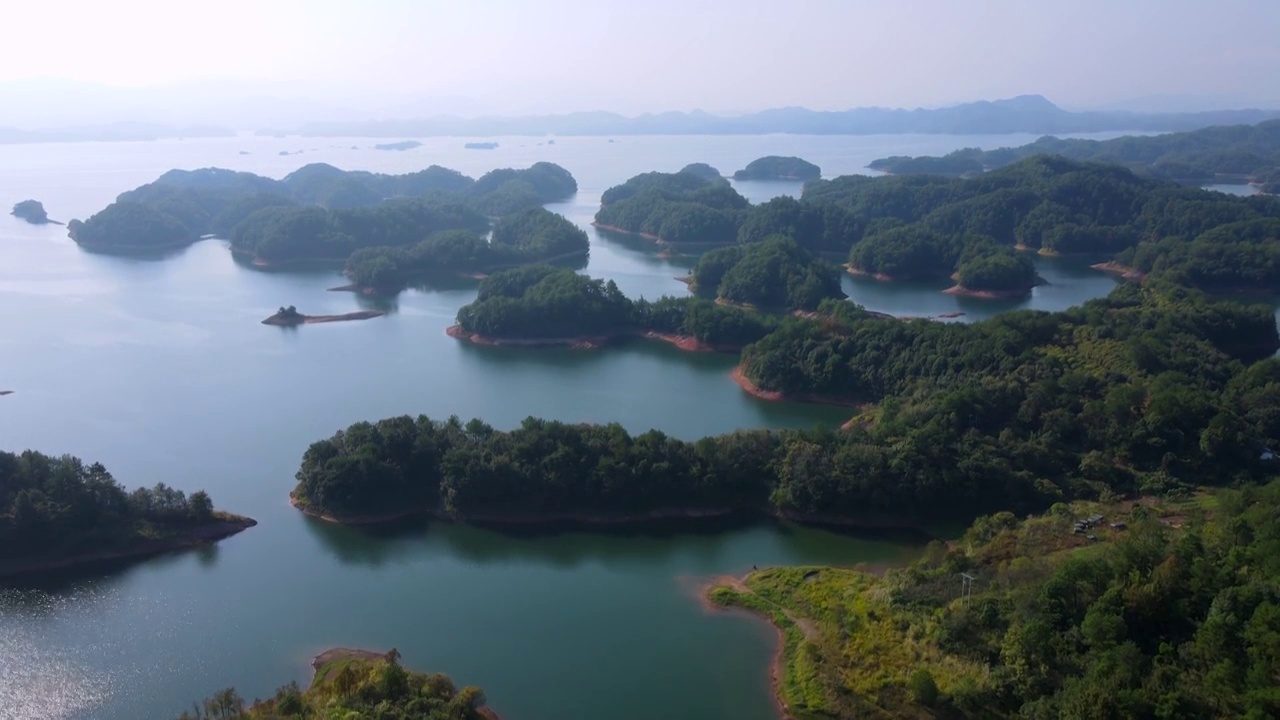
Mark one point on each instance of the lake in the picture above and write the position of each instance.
(160, 369)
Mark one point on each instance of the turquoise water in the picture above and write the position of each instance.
(160, 369)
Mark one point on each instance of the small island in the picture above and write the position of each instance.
(355, 684)
(544, 305)
(290, 317)
(678, 208)
(59, 512)
(776, 167)
(33, 212)
(485, 145)
(773, 274)
(402, 145)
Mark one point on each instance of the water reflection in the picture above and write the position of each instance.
(570, 545)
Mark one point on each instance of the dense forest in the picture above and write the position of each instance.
(1160, 609)
(967, 229)
(1151, 389)
(182, 206)
(354, 685)
(540, 302)
(773, 274)
(528, 236)
(57, 508)
(775, 167)
(683, 207)
(1240, 152)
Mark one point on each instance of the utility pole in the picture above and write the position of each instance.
(966, 588)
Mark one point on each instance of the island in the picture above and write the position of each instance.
(290, 317)
(531, 236)
(402, 145)
(951, 419)
(483, 145)
(1070, 613)
(673, 208)
(545, 305)
(317, 213)
(355, 684)
(59, 512)
(776, 167)
(1219, 154)
(33, 212)
(773, 274)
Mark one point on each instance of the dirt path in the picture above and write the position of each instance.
(740, 585)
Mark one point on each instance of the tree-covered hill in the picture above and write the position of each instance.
(683, 207)
(1164, 609)
(774, 274)
(60, 511)
(1241, 152)
(182, 206)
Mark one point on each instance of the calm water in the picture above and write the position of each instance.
(160, 369)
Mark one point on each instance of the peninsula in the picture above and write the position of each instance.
(1038, 616)
(356, 684)
(33, 212)
(682, 207)
(58, 512)
(290, 317)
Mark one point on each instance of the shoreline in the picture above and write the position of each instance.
(687, 343)
(511, 520)
(624, 231)
(962, 291)
(858, 272)
(605, 521)
(226, 526)
(1111, 267)
(777, 660)
(758, 392)
(278, 321)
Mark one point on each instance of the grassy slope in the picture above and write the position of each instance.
(849, 649)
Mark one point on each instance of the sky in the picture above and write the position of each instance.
(419, 57)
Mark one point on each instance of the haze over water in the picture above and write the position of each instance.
(160, 369)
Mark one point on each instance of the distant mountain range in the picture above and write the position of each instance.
(1022, 114)
(108, 132)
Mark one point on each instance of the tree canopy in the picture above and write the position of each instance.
(776, 167)
(775, 274)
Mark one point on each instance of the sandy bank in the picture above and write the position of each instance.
(624, 231)
(777, 396)
(1125, 272)
(285, 321)
(987, 294)
(592, 342)
(226, 526)
(858, 272)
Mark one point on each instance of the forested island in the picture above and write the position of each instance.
(354, 685)
(1149, 390)
(58, 512)
(776, 167)
(773, 274)
(969, 230)
(402, 145)
(544, 305)
(317, 212)
(1235, 153)
(530, 236)
(702, 170)
(32, 211)
(290, 317)
(1109, 609)
(682, 207)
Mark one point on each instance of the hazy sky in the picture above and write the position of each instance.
(512, 56)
